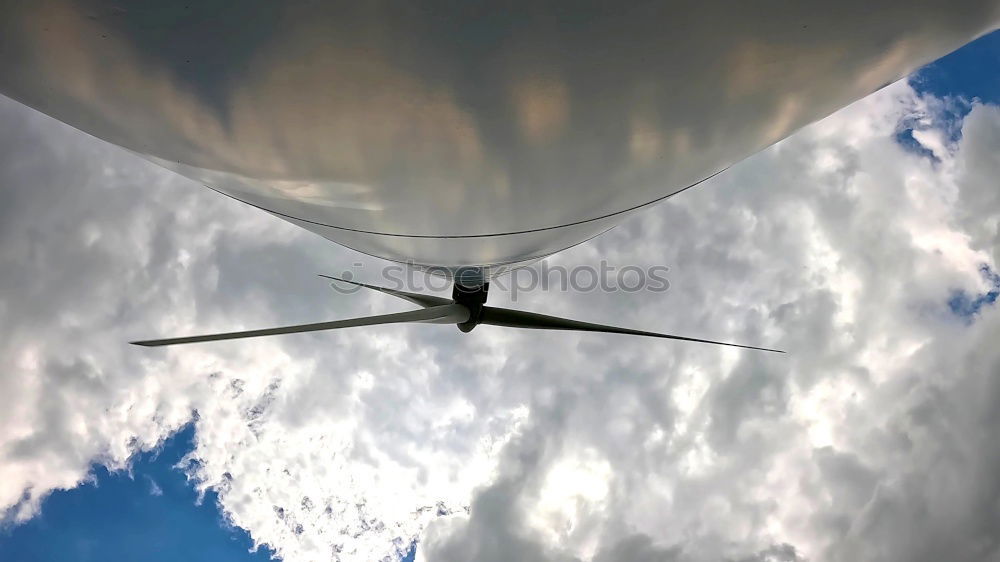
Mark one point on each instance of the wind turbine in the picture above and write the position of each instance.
(466, 309)
(460, 136)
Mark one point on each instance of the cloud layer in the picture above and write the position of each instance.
(872, 439)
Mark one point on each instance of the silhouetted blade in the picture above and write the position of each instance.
(450, 313)
(519, 319)
(423, 300)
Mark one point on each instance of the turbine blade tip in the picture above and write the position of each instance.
(344, 280)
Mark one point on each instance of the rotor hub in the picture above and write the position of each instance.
(472, 297)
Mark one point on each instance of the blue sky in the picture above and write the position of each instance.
(970, 72)
(973, 74)
(153, 514)
(964, 75)
(967, 306)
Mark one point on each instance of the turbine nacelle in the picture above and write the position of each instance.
(472, 297)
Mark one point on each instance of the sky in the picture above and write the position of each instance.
(868, 245)
(148, 512)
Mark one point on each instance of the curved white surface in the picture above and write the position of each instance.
(452, 134)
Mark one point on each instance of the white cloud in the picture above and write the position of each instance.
(872, 439)
(154, 488)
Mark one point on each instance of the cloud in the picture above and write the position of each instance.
(154, 488)
(871, 439)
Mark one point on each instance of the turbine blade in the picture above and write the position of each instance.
(451, 313)
(519, 319)
(423, 300)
